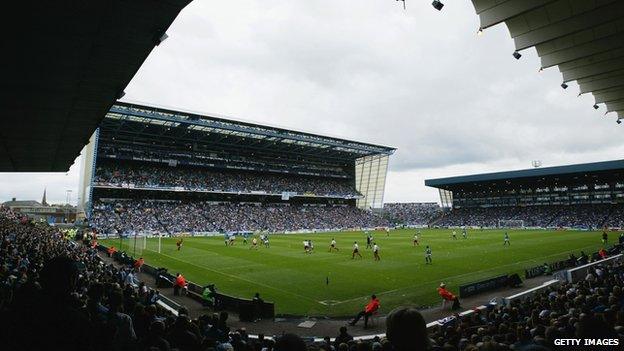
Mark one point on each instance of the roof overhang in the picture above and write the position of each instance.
(604, 170)
(182, 127)
(68, 62)
(585, 39)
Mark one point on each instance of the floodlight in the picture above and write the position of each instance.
(595, 107)
(161, 39)
(516, 55)
(438, 5)
(564, 85)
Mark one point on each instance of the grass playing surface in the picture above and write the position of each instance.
(296, 281)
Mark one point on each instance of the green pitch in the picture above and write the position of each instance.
(297, 282)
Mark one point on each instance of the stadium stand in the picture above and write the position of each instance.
(581, 196)
(150, 217)
(106, 308)
(412, 213)
(590, 308)
(555, 216)
(153, 170)
(142, 175)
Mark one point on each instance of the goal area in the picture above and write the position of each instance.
(510, 223)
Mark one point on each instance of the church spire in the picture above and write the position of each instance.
(43, 201)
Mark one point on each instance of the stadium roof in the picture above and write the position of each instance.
(68, 62)
(135, 123)
(530, 175)
(585, 39)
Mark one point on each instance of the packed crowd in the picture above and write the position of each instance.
(175, 217)
(412, 213)
(591, 308)
(572, 216)
(58, 294)
(202, 179)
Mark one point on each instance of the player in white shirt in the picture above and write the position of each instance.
(306, 246)
(454, 235)
(266, 241)
(376, 252)
(332, 245)
(415, 240)
(356, 250)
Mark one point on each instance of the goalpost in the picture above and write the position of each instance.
(510, 223)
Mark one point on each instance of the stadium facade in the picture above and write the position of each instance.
(160, 152)
(579, 184)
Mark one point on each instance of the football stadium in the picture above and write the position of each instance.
(199, 231)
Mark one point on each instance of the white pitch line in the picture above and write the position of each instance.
(456, 276)
(242, 279)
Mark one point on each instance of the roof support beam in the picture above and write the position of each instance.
(615, 106)
(606, 89)
(506, 10)
(592, 70)
(590, 60)
(607, 96)
(601, 76)
(576, 52)
(574, 24)
(601, 84)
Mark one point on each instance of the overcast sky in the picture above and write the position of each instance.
(420, 80)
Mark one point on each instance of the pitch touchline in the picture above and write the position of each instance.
(454, 276)
(239, 278)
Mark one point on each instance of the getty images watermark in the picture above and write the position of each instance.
(587, 342)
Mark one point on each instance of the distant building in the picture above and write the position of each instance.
(62, 213)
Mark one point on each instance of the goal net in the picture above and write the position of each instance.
(510, 223)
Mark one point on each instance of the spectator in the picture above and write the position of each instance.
(446, 295)
(179, 284)
(290, 342)
(406, 329)
(369, 309)
(154, 217)
(138, 264)
(343, 338)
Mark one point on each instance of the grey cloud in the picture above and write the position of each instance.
(420, 80)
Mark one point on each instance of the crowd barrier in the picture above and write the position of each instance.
(479, 287)
(532, 291)
(579, 273)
